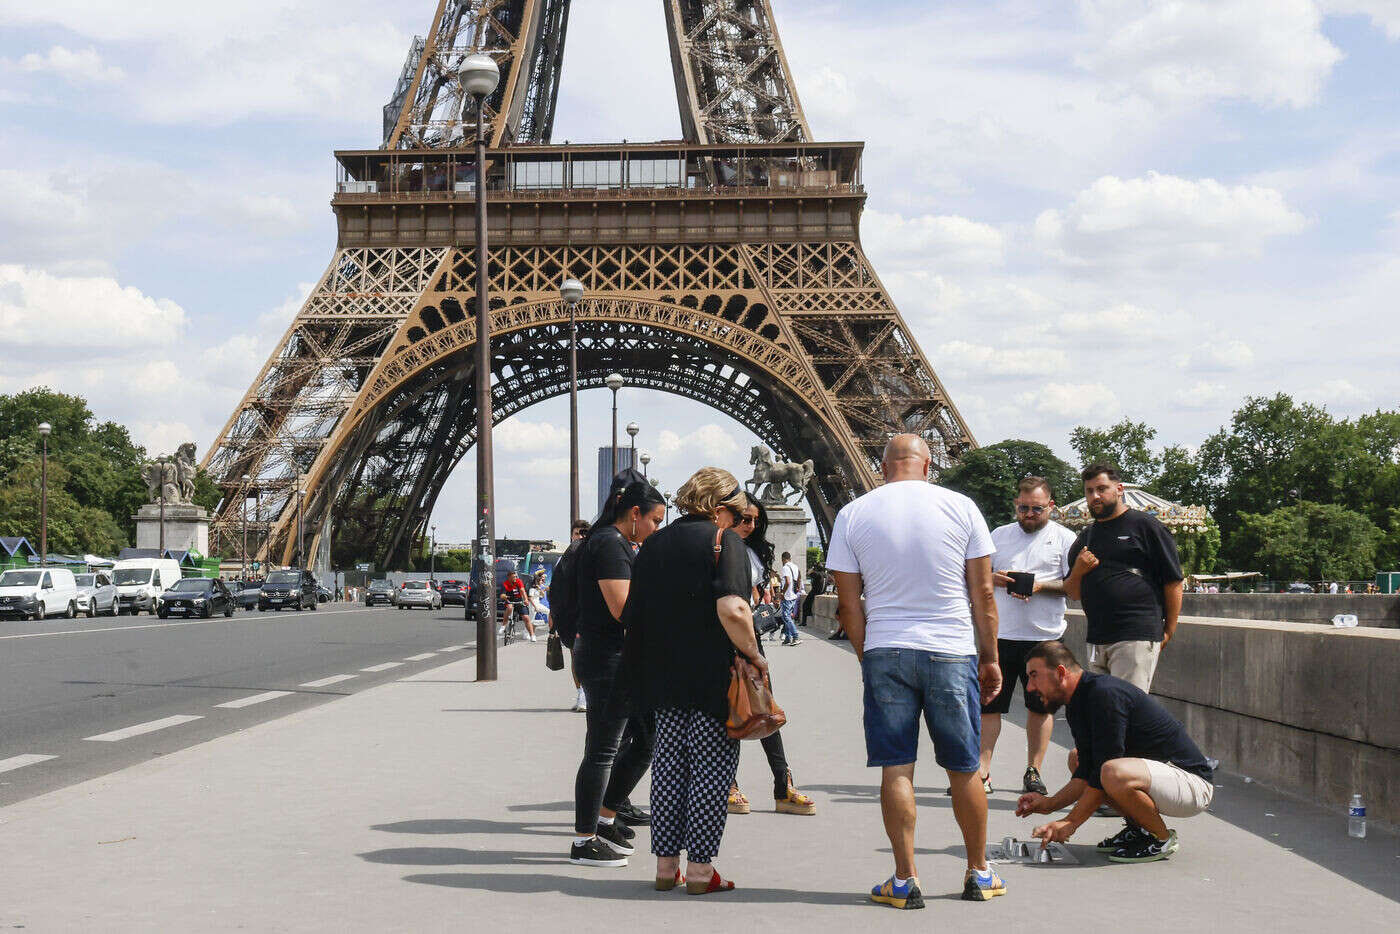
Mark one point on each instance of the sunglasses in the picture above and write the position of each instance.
(747, 520)
(1036, 510)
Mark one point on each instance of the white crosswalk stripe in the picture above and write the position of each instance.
(253, 699)
(384, 667)
(141, 728)
(452, 648)
(421, 658)
(19, 762)
(326, 682)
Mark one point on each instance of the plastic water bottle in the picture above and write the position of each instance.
(1356, 821)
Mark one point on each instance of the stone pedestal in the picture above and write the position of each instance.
(787, 530)
(186, 528)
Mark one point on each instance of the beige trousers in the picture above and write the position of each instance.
(1134, 662)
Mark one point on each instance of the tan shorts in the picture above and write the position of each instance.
(1176, 792)
(1134, 662)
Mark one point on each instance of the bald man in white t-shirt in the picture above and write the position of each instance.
(926, 637)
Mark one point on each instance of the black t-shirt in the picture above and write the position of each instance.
(605, 556)
(1122, 597)
(1112, 719)
(678, 654)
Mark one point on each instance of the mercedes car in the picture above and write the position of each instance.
(195, 596)
(288, 590)
(379, 592)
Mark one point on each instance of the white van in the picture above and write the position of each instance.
(141, 580)
(34, 593)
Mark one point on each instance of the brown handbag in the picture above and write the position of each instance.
(753, 712)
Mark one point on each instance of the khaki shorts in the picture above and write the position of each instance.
(1134, 662)
(1176, 792)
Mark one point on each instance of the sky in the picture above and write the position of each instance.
(1085, 209)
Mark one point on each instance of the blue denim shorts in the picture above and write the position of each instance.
(901, 684)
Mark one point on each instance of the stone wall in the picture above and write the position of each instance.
(1308, 710)
(1370, 610)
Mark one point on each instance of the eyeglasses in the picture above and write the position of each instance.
(1037, 510)
(748, 520)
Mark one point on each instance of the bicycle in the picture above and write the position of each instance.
(508, 629)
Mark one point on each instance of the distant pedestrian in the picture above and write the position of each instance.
(1131, 752)
(1033, 544)
(687, 615)
(792, 598)
(753, 529)
(1332, 587)
(926, 637)
(816, 581)
(578, 531)
(604, 778)
(1125, 570)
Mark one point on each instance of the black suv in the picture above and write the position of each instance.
(453, 591)
(288, 590)
(379, 592)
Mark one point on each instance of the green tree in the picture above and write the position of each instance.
(1309, 541)
(989, 475)
(1179, 478)
(72, 527)
(1126, 445)
(1198, 550)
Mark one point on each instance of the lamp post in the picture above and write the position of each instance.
(479, 77)
(667, 498)
(614, 382)
(571, 291)
(44, 429)
(161, 462)
(432, 554)
(301, 492)
(632, 429)
(245, 526)
(257, 509)
(646, 459)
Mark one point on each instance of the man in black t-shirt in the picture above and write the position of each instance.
(1125, 571)
(1130, 752)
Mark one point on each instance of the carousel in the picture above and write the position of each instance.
(1174, 516)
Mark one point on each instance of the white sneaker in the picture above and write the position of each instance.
(581, 702)
(534, 638)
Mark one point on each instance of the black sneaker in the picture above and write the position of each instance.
(1125, 837)
(596, 853)
(1146, 849)
(627, 832)
(1032, 781)
(611, 834)
(633, 816)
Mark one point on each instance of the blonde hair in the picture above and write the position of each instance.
(709, 490)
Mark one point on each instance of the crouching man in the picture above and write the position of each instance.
(1130, 752)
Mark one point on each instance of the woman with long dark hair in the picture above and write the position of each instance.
(633, 511)
(753, 529)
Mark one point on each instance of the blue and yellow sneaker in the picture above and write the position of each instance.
(900, 896)
(980, 888)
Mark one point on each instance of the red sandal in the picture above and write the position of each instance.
(713, 884)
(664, 884)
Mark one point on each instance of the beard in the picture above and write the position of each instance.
(1033, 524)
(1104, 508)
(1046, 705)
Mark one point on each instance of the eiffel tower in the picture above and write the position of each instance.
(725, 267)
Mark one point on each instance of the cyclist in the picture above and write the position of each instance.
(513, 588)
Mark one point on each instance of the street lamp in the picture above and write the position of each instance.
(667, 498)
(44, 429)
(479, 76)
(646, 459)
(301, 492)
(632, 429)
(432, 554)
(571, 291)
(246, 478)
(614, 382)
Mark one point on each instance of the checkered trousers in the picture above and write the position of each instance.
(691, 771)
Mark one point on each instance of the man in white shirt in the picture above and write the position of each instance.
(1030, 545)
(926, 640)
(792, 597)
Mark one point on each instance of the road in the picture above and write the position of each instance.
(82, 698)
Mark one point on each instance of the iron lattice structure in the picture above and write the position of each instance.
(726, 268)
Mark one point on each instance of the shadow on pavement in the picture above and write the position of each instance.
(455, 856)
(506, 710)
(469, 825)
(549, 806)
(627, 890)
(924, 797)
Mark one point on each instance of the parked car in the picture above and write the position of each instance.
(1299, 587)
(96, 593)
(38, 593)
(418, 593)
(141, 580)
(323, 595)
(379, 592)
(195, 596)
(454, 592)
(288, 590)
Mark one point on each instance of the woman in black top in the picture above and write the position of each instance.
(753, 529)
(634, 510)
(687, 614)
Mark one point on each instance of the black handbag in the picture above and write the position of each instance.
(767, 618)
(554, 653)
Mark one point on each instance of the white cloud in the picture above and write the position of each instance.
(518, 436)
(1162, 220)
(1342, 393)
(1202, 395)
(931, 241)
(79, 66)
(1065, 401)
(1384, 13)
(710, 441)
(1014, 361)
(1215, 357)
(64, 315)
(1271, 52)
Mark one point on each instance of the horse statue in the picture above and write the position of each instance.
(170, 478)
(770, 477)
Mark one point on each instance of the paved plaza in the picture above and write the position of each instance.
(433, 803)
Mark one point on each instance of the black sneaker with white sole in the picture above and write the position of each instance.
(1124, 837)
(632, 815)
(1146, 849)
(1031, 781)
(627, 832)
(596, 853)
(611, 834)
